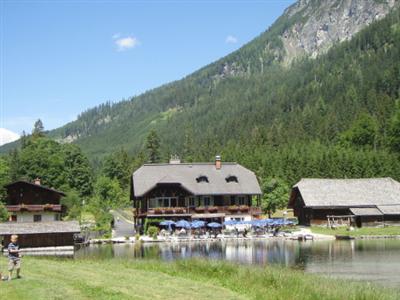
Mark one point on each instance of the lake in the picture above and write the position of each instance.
(371, 260)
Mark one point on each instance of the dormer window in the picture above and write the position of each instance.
(202, 178)
(231, 178)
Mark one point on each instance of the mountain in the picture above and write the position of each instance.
(308, 78)
(7, 136)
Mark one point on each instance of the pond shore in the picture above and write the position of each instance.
(183, 279)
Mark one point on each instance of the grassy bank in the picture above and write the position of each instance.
(391, 230)
(193, 279)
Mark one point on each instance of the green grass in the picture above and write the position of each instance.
(371, 231)
(187, 279)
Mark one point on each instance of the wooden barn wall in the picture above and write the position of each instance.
(42, 239)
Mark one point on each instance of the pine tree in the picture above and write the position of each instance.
(38, 129)
(153, 147)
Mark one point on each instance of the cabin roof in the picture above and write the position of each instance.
(23, 182)
(149, 176)
(347, 192)
(39, 227)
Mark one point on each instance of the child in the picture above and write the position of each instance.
(14, 258)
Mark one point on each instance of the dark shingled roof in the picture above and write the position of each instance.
(39, 227)
(35, 185)
(185, 174)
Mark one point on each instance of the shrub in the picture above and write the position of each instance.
(152, 231)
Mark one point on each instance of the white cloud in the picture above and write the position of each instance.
(7, 136)
(230, 39)
(125, 43)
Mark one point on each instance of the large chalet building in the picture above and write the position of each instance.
(218, 191)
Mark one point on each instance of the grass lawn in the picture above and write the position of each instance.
(391, 230)
(187, 279)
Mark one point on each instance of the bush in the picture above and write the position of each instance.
(152, 231)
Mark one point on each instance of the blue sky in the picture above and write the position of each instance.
(59, 58)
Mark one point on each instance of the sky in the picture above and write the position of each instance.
(59, 58)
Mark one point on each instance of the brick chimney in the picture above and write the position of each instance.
(37, 181)
(218, 162)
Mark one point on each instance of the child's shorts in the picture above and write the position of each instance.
(14, 264)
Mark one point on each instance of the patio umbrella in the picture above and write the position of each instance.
(197, 224)
(182, 223)
(230, 222)
(214, 225)
(168, 223)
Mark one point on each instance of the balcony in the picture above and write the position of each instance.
(188, 211)
(34, 207)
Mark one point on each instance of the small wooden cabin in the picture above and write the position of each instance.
(363, 202)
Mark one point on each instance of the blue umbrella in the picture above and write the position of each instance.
(214, 225)
(231, 222)
(197, 224)
(168, 223)
(182, 223)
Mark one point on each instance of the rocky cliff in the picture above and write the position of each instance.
(321, 24)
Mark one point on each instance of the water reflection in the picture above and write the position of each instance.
(372, 260)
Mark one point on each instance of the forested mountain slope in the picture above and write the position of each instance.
(254, 88)
(284, 92)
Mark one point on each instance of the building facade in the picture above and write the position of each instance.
(207, 191)
(359, 202)
(33, 202)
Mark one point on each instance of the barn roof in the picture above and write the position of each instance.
(347, 192)
(185, 174)
(39, 227)
(23, 182)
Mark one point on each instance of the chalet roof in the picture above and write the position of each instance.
(347, 192)
(39, 227)
(390, 209)
(34, 185)
(185, 174)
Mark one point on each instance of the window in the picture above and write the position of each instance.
(202, 178)
(242, 200)
(207, 201)
(163, 202)
(192, 201)
(57, 217)
(14, 218)
(233, 200)
(231, 178)
(37, 218)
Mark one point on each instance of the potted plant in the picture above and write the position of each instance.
(200, 209)
(169, 210)
(179, 210)
(244, 208)
(158, 210)
(233, 208)
(212, 209)
(48, 206)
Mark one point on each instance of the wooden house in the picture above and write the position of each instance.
(33, 202)
(209, 191)
(360, 202)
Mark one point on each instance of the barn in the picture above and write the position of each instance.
(361, 202)
(40, 234)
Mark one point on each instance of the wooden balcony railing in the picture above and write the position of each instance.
(34, 207)
(230, 210)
